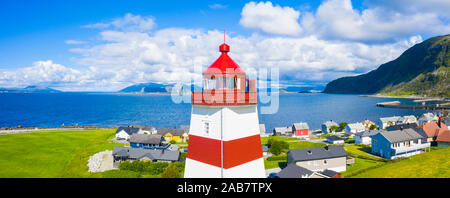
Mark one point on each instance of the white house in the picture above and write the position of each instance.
(394, 120)
(124, 133)
(355, 127)
(427, 118)
(335, 139)
(327, 125)
(365, 137)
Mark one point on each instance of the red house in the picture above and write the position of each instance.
(300, 129)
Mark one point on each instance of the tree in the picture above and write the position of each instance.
(373, 127)
(333, 129)
(342, 126)
(276, 147)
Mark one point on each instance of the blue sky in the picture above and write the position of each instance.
(75, 45)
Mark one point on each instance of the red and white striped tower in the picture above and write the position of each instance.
(224, 140)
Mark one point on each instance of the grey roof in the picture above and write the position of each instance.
(175, 132)
(368, 133)
(334, 138)
(316, 153)
(403, 126)
(185, 128)
(283, 129)
(139, 153)
(265, 148)
(146, 139)
(401, 135)
(329, 173)
(301, 125)
(294, 171)
(128, 130)
(330, 123)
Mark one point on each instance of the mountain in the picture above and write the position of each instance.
(146, 88)
(157, 88)
(422, 69)
(30, 89)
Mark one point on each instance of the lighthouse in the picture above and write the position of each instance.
(224, 140)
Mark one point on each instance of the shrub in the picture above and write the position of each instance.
(174, 170)
(140, 166)
(276, 146)
(277, 157)
(172, 142)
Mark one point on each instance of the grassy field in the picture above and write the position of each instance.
(53, 154)
(265, 139)
(434, 164)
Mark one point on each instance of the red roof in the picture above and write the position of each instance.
(432, 129)
(224, 63)
(444, 136)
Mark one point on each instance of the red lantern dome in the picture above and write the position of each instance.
(224, 64)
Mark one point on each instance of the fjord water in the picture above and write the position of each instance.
(100, 109)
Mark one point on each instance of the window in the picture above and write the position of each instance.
(206, 126)
(374, 141)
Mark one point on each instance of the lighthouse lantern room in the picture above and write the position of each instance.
(224, 140)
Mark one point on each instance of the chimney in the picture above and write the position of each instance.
(326, 147)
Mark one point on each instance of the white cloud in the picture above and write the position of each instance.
(217, 6)
(337, 19)
(74, 42)
(271, 19)
(130, 22)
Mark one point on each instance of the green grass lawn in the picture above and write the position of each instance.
(54, 154)
(265, 139)
(361, 151)
(434, 164)
(360, 166)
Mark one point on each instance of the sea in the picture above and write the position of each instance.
(159, 110)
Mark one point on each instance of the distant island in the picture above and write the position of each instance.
(29, 89)
(422, 70)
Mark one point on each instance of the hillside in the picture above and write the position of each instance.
(422, 69)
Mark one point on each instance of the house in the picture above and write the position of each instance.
(326, 126)
(388, 121)
(127, 153)
(319, 158)
(403, 126)
(408, 120)
(367, 123)
(262, 130)
(295, 171)
(355, 127)
(400, 143)
(144, 129)
(146, 141)
(443, 138)
(300, 129)
(335, 139)
(124, 133)
(427, 118)
(365, 137)
(176, 135)
(446, 120)
(431, 130)
(282, 131)
(383, 123)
